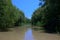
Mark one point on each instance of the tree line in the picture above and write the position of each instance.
(48, 16)
(10, 16)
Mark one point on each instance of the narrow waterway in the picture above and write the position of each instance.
(26, 33)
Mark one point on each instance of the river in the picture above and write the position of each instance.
(26, 33)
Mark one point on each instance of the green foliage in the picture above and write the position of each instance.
(49, 15)
(9, 15)
(27, 21)
(21, 19)
(38, 17)
(40, 24)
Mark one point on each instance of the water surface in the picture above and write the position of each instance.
(26, 33)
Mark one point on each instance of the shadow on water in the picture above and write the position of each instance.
(28, 34)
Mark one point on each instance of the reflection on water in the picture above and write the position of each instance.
(28, 35)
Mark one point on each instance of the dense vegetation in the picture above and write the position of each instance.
(27, 21)
(48, 16)
(9, 15)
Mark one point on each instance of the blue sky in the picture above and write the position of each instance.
(27, 6)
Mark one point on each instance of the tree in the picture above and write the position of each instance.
(9, 14)
(49, 14)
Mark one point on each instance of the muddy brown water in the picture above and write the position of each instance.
(24, 33)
